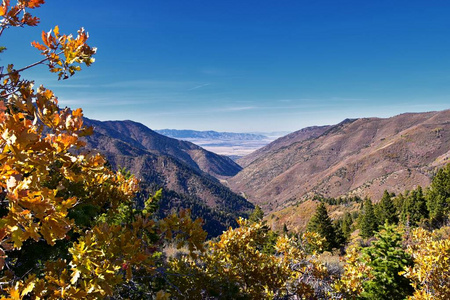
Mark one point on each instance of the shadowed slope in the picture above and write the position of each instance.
(186, 183)
(143, 137)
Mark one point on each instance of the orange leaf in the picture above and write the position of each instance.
(38, 46)
(14, 293)
(34, 3)
(44, 38)
(78, 112)
(3, 9)
(30, 20)
(48, 94)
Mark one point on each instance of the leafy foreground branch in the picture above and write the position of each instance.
(69, 226)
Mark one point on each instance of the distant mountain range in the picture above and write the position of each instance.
(188, 173)
(360, 157)
(210, 135)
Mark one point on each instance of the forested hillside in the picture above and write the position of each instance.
(183, 170)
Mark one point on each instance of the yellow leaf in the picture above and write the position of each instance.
(28, 289)
(75, 275)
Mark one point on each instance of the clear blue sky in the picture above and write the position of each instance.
(249, 65)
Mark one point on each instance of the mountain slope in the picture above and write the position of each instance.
(356, 157)
(152, 158)
(294, 137)
(141, 137)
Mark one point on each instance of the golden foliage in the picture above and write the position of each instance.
(431, 270)
(45, 176)
(355, 273)
(237, 266)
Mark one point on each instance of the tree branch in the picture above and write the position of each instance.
(28, 67)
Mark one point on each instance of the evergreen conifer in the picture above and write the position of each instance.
(257, 214)
(438, 197)
(414, 208)
(368, 224)
(321, 224)
(387, 210)
(347, 223)
(339, 238)
(387, 260)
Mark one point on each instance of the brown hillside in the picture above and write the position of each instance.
(294, 137)
(183, 170)
(165, 171)
(359, 157)
(141, 137)
(296, 217)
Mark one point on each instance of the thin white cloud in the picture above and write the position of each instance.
(199, 86)
(236, 108)
(148, 83)
(93, 102)
(198, 111)
(344, 99)
(73, 86)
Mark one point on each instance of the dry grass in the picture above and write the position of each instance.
(173, 251)
(296, 217)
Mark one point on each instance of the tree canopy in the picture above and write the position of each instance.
(64, 232)
(321, 224)
(368, 224)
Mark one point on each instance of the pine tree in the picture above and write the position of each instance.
(347, 223)
(378, 212)
(438, 197)
(368, 224)
(321, 224)
(414, 208)
(399, 200)
(339, 238)
(386, 260)
(257, 214)
(387, 210)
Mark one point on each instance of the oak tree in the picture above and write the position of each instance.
(58, 202)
